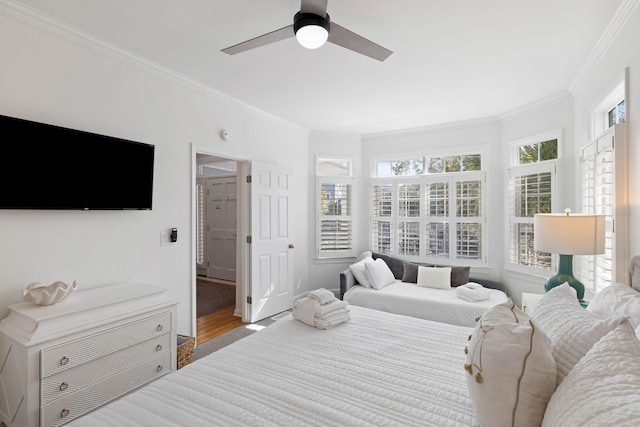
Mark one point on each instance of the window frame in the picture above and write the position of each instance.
(322, 179)
(516, 169)
(426, 178)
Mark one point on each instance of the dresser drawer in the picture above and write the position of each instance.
(71, 380)
(72, 354)
(71, 406)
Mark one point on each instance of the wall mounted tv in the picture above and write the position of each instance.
(50, 167)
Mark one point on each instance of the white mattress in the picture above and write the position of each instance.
(440, 305)
(377, 369)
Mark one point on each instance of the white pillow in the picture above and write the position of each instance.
(572, 329)
(512, 373)
(617, 300)
(379, 274)
(359, 272)
(603, 389)
(434, 277)
(635, 279)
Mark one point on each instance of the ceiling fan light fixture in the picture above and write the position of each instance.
(312, 31)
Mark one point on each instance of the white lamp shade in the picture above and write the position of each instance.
(573, 234)
(312, 36)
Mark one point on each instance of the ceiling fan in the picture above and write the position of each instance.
(312, 27)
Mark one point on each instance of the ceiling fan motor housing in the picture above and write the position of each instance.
(303, 19)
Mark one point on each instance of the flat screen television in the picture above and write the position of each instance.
(51, 167)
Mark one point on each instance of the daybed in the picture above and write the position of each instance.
(385, 369)
(403, 296)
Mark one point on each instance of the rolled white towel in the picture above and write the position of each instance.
(323, 295)
(304, 310)
(325, 309)
(472, 292)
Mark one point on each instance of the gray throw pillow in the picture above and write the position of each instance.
(459, 275)
(410, 274)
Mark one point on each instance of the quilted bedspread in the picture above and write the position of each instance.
(378, 369)
(409, 299)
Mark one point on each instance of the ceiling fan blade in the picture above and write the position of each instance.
(272, 37)
(317, 7)
(352, 41)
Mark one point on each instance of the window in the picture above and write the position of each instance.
(433, 213)
(335, 224)
(532, 190)
(616, 114)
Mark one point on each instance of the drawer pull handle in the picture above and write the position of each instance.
(64, 413)
(63, 386)
(159, 347)
(159, 368)
(64, 360)
(159, 328)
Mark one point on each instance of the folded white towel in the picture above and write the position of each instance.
(323, 316)
(304, 310)
(472, 292)
(323, 295)
(334, 320)
(325, 309)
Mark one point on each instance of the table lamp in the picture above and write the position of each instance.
(568, 234)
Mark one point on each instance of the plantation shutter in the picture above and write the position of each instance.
(335, 222)
(603, 191)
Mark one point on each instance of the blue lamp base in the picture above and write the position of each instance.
(565, 274)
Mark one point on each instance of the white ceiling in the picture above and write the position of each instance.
(452, 61)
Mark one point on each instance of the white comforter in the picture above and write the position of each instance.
(409, 299)
(377, 369)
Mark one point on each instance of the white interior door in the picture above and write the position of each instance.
(222, 225)
(271, 289)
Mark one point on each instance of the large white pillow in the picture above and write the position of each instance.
(379, 274)
(572, 329)
(603, 389)
(512, 373)
(617, 300)
(434, 277)
(359, 272)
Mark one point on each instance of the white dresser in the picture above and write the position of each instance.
(60, 361)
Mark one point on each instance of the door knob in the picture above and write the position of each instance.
(290, 245)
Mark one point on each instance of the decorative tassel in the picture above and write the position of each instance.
(468, 368)
(466, 350)
(479, 378)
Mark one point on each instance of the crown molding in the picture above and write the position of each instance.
(537, 105)
(57, 28)
(485, 121)
(613, 29)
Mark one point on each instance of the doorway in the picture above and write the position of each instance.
(217, 294)
(264, 246)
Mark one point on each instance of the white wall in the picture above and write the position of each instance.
(52, 76)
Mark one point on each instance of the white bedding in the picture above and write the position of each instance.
(426, 303)
(377, 369)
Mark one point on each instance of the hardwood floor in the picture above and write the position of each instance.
(217, 323)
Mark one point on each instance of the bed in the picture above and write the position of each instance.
(402, 295)
(381, 368)
(376, 369)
